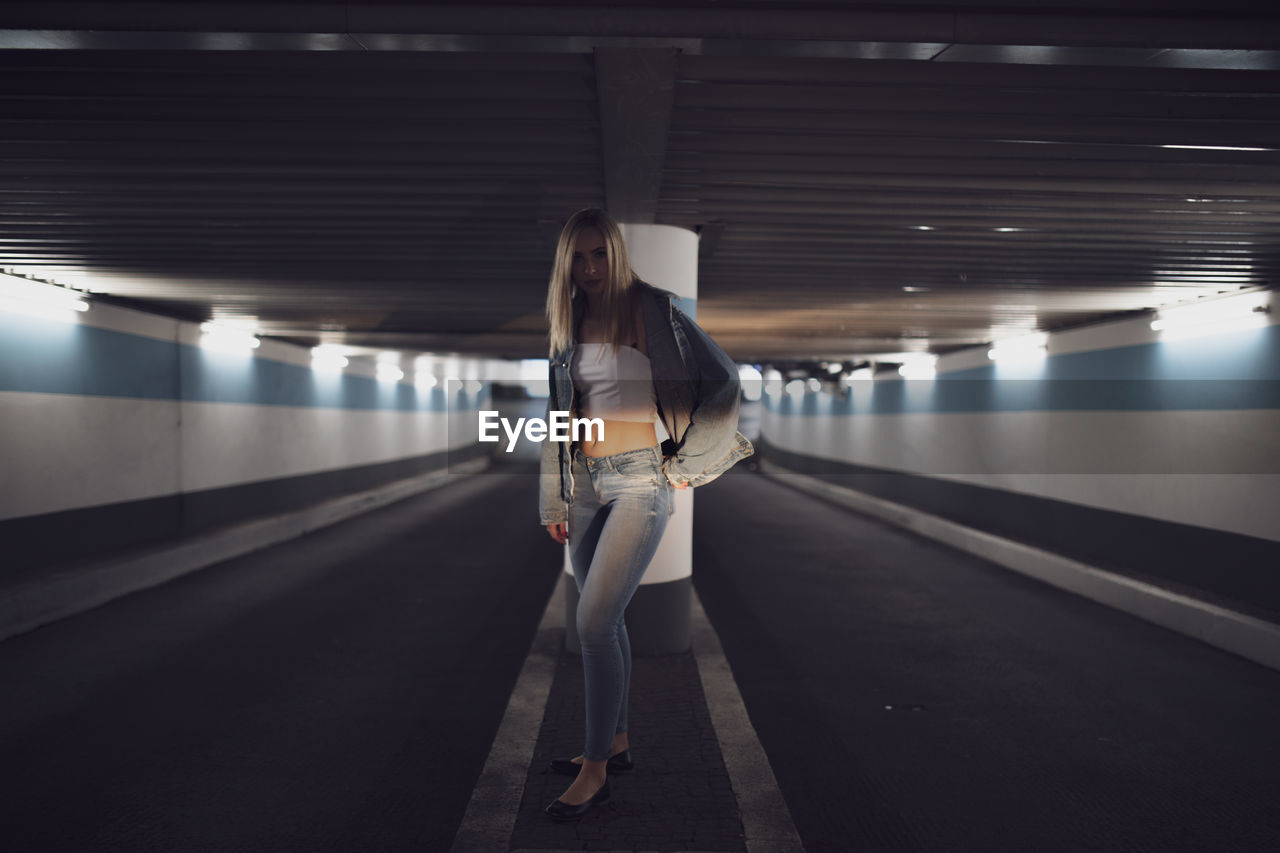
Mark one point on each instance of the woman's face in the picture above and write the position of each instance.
(590, 261)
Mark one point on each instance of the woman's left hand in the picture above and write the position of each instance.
(668, 476)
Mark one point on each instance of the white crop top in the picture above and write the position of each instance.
(614, 388)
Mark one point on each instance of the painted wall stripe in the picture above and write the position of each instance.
(1253, 354)
(955, 396)
(1191, 375)
(44, 356)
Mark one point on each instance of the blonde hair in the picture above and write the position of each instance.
(617, 288)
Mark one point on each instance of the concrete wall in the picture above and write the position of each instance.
(1158, 458)
(118, 428)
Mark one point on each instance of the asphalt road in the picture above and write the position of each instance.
(914, 698)
(334, 693)
(340, 692)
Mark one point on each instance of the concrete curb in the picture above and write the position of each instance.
(1249, 637)
(87, 586)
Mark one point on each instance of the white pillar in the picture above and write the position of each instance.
(667, 256)
(658, 618)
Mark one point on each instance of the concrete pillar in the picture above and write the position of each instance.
(658, 618)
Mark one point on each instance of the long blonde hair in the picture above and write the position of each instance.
(617, 288)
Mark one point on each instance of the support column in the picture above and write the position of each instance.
(658, 618)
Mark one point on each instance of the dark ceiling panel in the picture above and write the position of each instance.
(955, 203)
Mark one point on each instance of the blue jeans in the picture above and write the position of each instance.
(616, 520)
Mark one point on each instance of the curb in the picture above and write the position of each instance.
(1244, 635)
(87, 586)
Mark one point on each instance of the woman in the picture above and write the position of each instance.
(623, 352)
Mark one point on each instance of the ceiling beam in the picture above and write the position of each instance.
(1202, 35)
(636, 88)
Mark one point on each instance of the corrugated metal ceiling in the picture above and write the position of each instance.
(866, 178)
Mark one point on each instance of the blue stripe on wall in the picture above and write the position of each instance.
(46, 356)
(1196, 374)
(922, 396)
(1250, 354)
(69, 358)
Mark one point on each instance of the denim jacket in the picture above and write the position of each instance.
(697, 390)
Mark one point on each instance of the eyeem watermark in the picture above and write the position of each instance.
(560, 427)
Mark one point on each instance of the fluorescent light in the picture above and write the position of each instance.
(751, 381)
(225, 338)
(917, 371)
(65, 313)
(1240, 324)
(533, 375)
(773, 382)
(795, 388)
(424, 375)
(921, 227)
(328, 357)
(39, 299)
(918, 366)
(388, 366)
(1215, 148)
(1176, 316)
(530, 368)
(813, 384)
(424, 378)
(1021, 350)
(1212, 317)
(914, 289)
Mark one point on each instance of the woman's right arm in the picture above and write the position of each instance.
(551, 505)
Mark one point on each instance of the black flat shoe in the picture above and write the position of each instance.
(620, 763)
(563, 811)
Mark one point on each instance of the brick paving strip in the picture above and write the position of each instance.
(702, 782)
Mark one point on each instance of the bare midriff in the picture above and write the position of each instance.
(621, 436)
